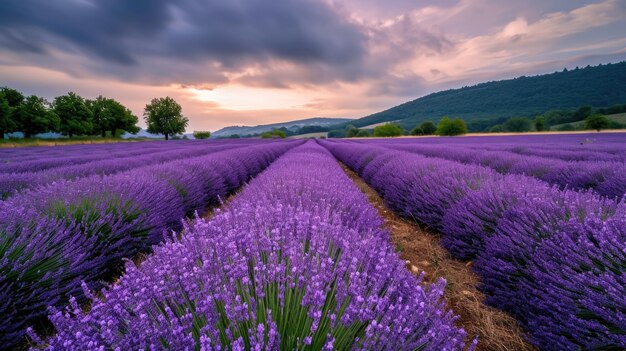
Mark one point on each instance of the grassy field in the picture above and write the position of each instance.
(12, 143)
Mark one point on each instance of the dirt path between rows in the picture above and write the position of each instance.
(422, 252)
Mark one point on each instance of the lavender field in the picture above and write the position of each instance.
(270, 245)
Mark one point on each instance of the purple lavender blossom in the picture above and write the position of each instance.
(298, 260)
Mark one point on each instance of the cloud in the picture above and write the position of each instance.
(167, 40)
(256, 61)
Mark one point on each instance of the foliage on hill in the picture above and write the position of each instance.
(494, 102)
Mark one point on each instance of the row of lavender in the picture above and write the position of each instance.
(56, 236)
(31, 175)
(553, 259)
(298, 260)
(64, 156)
(608, 178)
(560, 152)
(8, 155)
(43, 157)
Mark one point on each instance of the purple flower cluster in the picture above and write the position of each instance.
(608, 178)
(55, 236)
(298, 260)
(554, 259)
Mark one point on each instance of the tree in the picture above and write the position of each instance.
(164, 116)
(428, 128)
(597, 122)
(10, 99)
(388, 130)
(126, 122)
(540, 123)
(110, 115)
(201, 134)
(12, 96)
(351, 131)
(518, 124)
(75, 117)
(417, 131)
(32, 117)
(363, 133)
(276, 133)
(448, 127)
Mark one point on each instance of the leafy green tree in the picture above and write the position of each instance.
(201, 134)
(448, 127)
(164, 116)
(351, 131)
(75, 117)
(13, 97)
(428, 128)
(110, 115)
(126, 122)
(7, 124)
(540, 123)
(597, 122)
(417, 131)
(363, 133)
(32, 117)
(518, 124)
(10, 99)
(276, 133)
(388, 130)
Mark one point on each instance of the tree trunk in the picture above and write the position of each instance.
(70, 134)
(104, 133)
(27, 135)
(113, 133)
(1, 134)
(166, 136)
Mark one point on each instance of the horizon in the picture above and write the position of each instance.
(339, 60)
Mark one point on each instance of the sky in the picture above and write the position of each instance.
(250, 62)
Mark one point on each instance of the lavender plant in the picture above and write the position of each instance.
(554, 259)
(298, 260)
(81, 230)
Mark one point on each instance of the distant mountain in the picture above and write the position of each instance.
(597, 86)
(143, 134)
(292, 126)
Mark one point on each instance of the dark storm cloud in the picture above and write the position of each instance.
(152, 35)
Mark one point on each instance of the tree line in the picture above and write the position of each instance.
(445, 127)
(72, 115)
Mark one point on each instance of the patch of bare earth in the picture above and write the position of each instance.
(421, 251)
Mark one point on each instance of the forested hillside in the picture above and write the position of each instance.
(597, 86)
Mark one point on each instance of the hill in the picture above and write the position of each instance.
(597, 86)
(292, 126)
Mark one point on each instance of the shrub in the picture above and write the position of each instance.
(417, 131)
(388, 130)
(448, 127)
(597, 122)
(201, 134)
(274, 134)
(428, 128)
(518, 124)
